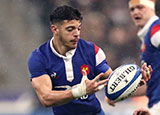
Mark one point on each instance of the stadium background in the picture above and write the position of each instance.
(24, 25)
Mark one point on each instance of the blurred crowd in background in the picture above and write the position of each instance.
(24, 25)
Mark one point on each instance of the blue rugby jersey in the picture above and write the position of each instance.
(66, 72)
(151, 55)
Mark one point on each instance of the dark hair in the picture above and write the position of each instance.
(65, 12)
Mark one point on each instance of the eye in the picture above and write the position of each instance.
(131, 9)
(70, 29)
(140, 7)
(79, 28)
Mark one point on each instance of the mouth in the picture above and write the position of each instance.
(75, 41)
(137, 18)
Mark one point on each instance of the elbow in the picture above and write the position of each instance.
(47, 102)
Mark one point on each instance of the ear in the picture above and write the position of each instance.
(54, 28)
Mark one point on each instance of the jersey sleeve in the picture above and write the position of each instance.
(155, 36)
(36, 65)
(101, 63)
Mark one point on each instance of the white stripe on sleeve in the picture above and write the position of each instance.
(155, 39)
(100, 56)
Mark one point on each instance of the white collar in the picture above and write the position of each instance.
(69, 54)
(141, 33)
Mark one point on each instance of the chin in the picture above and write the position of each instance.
(139, 25)
(74, 47)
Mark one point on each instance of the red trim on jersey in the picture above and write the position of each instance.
(143, 48)
(155, 29)
(96, 48)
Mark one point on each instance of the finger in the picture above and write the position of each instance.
(148, 72)
(135, 113)
(100, 87)
(150, 69)
(144, 75)
(102, 82)
(84, 72)
(142, 112)
(110, 102)
(84, 77)
(144, 66)
(97, 78)
(142, 82)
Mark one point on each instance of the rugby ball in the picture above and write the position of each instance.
(123, 82)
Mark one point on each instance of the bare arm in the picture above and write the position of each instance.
(47, 96)
(146, 74)
(141, 91)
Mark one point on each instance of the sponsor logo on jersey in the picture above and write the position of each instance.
(54, 75)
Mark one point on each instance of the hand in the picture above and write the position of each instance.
(146, 73)
(110, 102)
(96, 84)
(88, 86)
(141, 112)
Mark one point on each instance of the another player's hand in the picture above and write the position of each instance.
(141, 112)
(146, 73)
(110, 102)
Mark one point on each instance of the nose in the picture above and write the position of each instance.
(77, 33)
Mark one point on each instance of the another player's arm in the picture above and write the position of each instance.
(146, 74)
(47, 96)
(141, 91)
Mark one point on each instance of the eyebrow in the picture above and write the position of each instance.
(73, 26)
(70, 27)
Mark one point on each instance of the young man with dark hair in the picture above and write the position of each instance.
(66, 71)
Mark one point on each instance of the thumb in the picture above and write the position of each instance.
(84, 72)
(84, 77)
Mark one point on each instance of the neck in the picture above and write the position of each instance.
(59, 47)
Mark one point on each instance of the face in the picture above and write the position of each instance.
(68, 33)
(140, 14)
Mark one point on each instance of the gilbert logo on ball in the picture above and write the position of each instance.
(123, 82)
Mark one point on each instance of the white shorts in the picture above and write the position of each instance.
(155, 109)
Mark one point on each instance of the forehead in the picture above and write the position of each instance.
(134, 3)
(148, 3)
(71, 23)
(137, 6)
